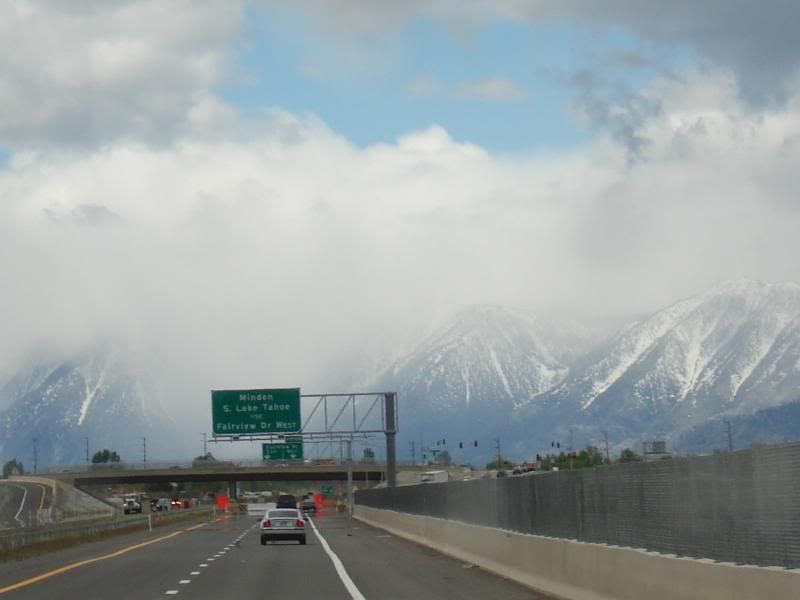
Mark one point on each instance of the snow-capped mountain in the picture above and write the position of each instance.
(733, 350)
(96, 395)
(482, 366)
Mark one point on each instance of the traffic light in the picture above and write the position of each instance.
(444, 442)
(460, 444)
(475, 443)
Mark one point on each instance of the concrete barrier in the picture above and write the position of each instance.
(585, 571)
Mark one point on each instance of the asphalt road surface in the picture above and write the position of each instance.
(20, 501)
(224, 559)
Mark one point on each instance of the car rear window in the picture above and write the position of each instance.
(277, 514)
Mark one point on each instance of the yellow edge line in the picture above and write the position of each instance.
(41, 504)
(43, 576)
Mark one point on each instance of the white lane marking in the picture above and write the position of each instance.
(355, 594)
(171, 592)
(21, 504)
(195, 573)
(185, 581)
(212, 559)
(203, 565)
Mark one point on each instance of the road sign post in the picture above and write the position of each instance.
(253, 412)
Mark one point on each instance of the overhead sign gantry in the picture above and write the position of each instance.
(274, 416)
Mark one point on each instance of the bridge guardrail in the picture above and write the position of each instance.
(219, 464)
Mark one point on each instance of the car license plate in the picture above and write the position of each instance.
(284, 524)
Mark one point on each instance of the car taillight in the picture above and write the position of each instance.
(267, 524)
(299, 523)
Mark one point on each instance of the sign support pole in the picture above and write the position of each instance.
(390, 407)
(349, 478)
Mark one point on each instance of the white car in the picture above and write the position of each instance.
(283, 524)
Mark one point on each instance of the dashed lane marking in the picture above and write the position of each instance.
(195, 573)
(185, 581)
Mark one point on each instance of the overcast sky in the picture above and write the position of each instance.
(249, 191)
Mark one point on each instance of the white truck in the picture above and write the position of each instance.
(131, 504)
(434, 477)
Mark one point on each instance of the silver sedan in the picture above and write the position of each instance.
(283, 524)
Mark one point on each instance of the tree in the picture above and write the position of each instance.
(369, 456)
(588, 457)
(629, 455)
(105, 455)
(13, 467)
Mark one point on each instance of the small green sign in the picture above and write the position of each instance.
(327, 490)
(247, 412)
(289, 450)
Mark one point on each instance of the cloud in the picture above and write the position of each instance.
(91, 72)
(243, 259)
(494, 89)
(756, 42)
(236, 250)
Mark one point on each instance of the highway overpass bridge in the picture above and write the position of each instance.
(223, 472)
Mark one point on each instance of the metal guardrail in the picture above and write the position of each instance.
(17, 538)
(742, 507)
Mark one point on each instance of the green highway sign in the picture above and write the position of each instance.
(291, 450)
(248, 412)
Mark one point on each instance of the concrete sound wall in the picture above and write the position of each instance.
(587, 571)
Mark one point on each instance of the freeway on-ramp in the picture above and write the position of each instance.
(21, 501)
(343, 560)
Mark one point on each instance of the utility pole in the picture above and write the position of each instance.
(35, 456)
(499, 456)
(205, 445)
(730, 436)
(87, 449)
(605, 439)
(571, 450)
(144, 451)
(413, 455)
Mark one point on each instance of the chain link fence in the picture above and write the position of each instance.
(742, 507)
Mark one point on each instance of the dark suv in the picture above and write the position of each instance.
(286, 501)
